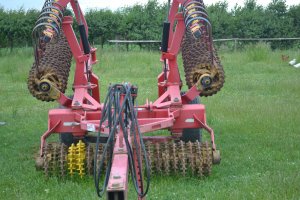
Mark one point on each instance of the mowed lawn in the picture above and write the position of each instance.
(256, 118)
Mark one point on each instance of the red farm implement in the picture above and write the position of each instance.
(106, 139)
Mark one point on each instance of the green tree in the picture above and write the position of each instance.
(16, 27)
(221, 20)
(279, 24)
(3, 39)
(248, 20)
(294, 15)
(102, 25)
(144, 22)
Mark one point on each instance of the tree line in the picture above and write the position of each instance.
(144, 22)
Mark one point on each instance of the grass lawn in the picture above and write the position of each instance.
(256, 118)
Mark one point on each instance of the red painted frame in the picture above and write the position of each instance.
(170, 111)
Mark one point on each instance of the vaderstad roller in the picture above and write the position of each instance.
(119, 147)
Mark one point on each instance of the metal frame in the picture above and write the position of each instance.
(170, 111)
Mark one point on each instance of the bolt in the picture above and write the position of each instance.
(176, 99)
(76, 103)
(116, 177)
(115, 185)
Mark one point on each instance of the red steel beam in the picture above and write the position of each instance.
(118, 180)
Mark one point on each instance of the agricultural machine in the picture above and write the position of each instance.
(106, 139)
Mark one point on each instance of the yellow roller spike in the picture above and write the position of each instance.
(80, 150)
(71, 159)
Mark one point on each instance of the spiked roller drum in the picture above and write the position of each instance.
(200, 59)
(164, 158)
(50, 71)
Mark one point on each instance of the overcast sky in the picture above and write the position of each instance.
(114, 4)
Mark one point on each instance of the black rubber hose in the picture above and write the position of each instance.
(108, 106)
(165, 37)
(112, 102)
(84, 39)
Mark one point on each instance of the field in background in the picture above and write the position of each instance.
(256, 118)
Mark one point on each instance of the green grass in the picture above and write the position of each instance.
(258, 52)
(256, 118)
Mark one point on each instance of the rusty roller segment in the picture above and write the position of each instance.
(173, 157)
(198, 62)
(180, 157)
(89, 160)
(206, 154)
(62, 160)
(50, 76)
(55, 160)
